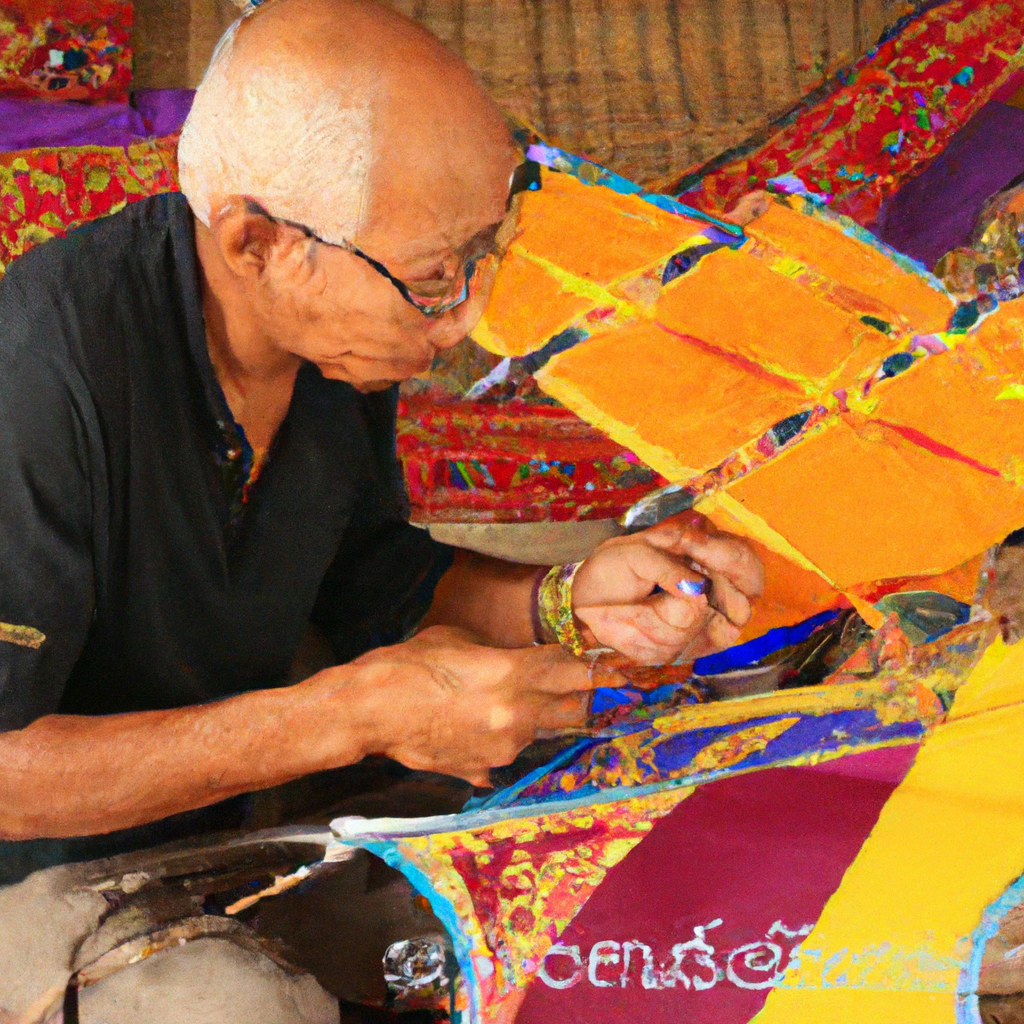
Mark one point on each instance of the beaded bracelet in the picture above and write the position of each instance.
(554, 609)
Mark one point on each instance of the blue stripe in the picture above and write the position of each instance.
(743, 655)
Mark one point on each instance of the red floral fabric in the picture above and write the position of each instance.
(897, 109)
(66, 49)
(46, 192)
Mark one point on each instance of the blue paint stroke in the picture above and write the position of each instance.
(751, 652)
(388, 851)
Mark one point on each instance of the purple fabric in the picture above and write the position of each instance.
(163, 110)
(28, 123)
(936, 211)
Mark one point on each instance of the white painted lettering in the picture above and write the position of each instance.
(598, 957)
(647, 975)
(573, 953)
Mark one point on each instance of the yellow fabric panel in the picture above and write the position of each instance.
(863, 503)
(890, 943)
(678, 406)
(527, 307)
(595, 233)
(997, 681)
(738, 303)
(971, 399)
(873, 283)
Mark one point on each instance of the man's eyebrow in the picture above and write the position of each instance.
(489, 230)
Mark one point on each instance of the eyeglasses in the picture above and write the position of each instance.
(526, 177)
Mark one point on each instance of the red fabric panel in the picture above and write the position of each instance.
(752, 851)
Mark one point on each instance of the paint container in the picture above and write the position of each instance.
(418, 972)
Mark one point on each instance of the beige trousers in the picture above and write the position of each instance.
(45, 920)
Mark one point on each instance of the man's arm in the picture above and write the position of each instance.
(488, 597)
(439, 702)
(626, 594)
(67, 775)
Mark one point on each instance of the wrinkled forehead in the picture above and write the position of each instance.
(435, 183)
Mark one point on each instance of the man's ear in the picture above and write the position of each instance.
(244, 238)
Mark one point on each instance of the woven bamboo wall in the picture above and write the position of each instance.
(648, 87)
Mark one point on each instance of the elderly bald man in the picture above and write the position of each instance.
(197, 402)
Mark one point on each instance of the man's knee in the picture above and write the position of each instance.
(43, 921)
(207, 981)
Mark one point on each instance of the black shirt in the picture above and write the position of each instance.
(123, 537)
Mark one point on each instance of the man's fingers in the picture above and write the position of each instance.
(679, 611)
(720, 632)
(652, 566)
(566, 712)
(729, 600)
(552, 670)
(719, 553)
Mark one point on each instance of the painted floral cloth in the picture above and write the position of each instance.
(888, 116)
(508, 874)
(66, 49)
(883, 121)
(524, 461)
(46, 192)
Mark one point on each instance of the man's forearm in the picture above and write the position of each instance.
(491, 598)
(72, 775)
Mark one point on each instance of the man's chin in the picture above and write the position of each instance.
(367, 387)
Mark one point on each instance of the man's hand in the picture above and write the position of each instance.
(442, 702)
(627, 593)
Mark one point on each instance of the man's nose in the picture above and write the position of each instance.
(450, 329)
(449, 338)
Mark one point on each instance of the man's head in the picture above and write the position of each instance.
(342, 122)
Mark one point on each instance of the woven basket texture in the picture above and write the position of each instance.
(652, 87)
(647, 87)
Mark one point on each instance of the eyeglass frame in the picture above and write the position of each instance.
(526, 177)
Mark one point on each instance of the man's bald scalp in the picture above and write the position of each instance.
(297, 100)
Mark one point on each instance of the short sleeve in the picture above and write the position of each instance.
(382, 579)
(46, 512)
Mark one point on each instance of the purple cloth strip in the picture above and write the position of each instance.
(936, 211)
(29, 123)
(163, 110)
(26, 124)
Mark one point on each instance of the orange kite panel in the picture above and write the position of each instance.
(738, 303)
(596, 233)
(970, 399)
(527, 307)
(824, 247)
(863, 503)
(791, 593)
(671, 401)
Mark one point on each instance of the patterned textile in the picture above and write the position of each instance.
(512, 461)
(890, 114)
(46, 192)
(877, 126)
(508, 874)
(66, 49)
